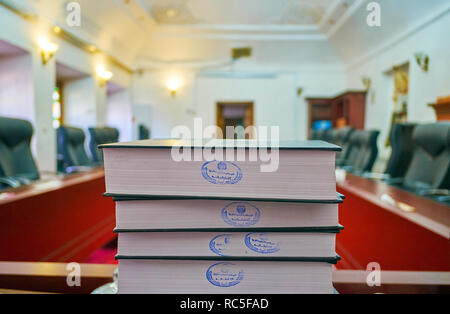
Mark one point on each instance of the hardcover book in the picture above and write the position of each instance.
(233, 244)
(224, 277)
(298, 170)
(226, 215)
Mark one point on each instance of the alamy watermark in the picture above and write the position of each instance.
(373, 278)
(73, 278)
(207, 144)
(74, 17)
(374, 17)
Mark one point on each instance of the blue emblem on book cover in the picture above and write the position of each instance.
(220, 244)
(225, 274)
(221, 172)
(260, 242)
(241, 214)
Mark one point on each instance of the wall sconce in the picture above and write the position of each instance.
(367, 82)
(173, 84)
(422, 61)
(104, 75)
(299, 92)
(47, 48)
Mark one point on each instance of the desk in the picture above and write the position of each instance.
(59, 220)
(51, 278)
(395, 228)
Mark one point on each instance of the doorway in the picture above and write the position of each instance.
(239, 115)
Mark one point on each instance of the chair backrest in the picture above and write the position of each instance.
(333, 136)
(71, 151)
(368, 151)
(343, 140)
(353, 149)
(16, 159)
(101, 136)
(144, 132)
(401, 139)
(430, 164)
(322, 135)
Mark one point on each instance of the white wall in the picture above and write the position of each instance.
(119, 114)
(274, 94)
(432, 39)
(16, 87)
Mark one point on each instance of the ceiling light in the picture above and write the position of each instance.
(104, 75)
(47, 48)
(171, 13)
(173, 84)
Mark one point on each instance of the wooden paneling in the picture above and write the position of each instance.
(349, 107)
(63, 220)
(378, 229)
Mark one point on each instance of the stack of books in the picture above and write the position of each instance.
(212, 227)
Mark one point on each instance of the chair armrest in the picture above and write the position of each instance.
(11, 182)
(394, 181)
(77, 169)
(434, 192)
(444, 199)
(22, 180)
(377, 176)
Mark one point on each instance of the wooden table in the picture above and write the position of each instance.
(51, 278)
(395, 228)
(64, 219)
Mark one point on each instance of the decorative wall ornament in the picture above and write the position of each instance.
(422, 61)
(367, 82)
(401, 82)
(47, 49)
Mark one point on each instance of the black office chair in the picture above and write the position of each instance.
(333, 136)
(401, 139)
(364, 152)
(368, 153)
(343, 140)
(17, 166)
(322, 135)
(352, 151)
(429, 171)
(144, 132)
(72, 155)
(99, 136)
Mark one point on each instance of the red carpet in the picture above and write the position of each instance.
(105, 255)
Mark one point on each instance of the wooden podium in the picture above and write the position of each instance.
(442, 108)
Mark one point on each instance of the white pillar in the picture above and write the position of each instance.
(44, 80)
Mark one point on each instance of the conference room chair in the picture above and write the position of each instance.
(401, 140)
(343, 140)
(322, 135)
(17, 165)
(100, 136)
(429, 171)
(72, 156)
(363, 151)
(144, 132)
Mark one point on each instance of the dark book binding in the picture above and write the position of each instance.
(331, 260)
(332, 229)
(128, 197)
(168, 144)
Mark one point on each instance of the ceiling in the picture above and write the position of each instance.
(230, 12)
(282, 33)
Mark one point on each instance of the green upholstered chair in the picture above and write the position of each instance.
(72, 155)
(17, 166)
